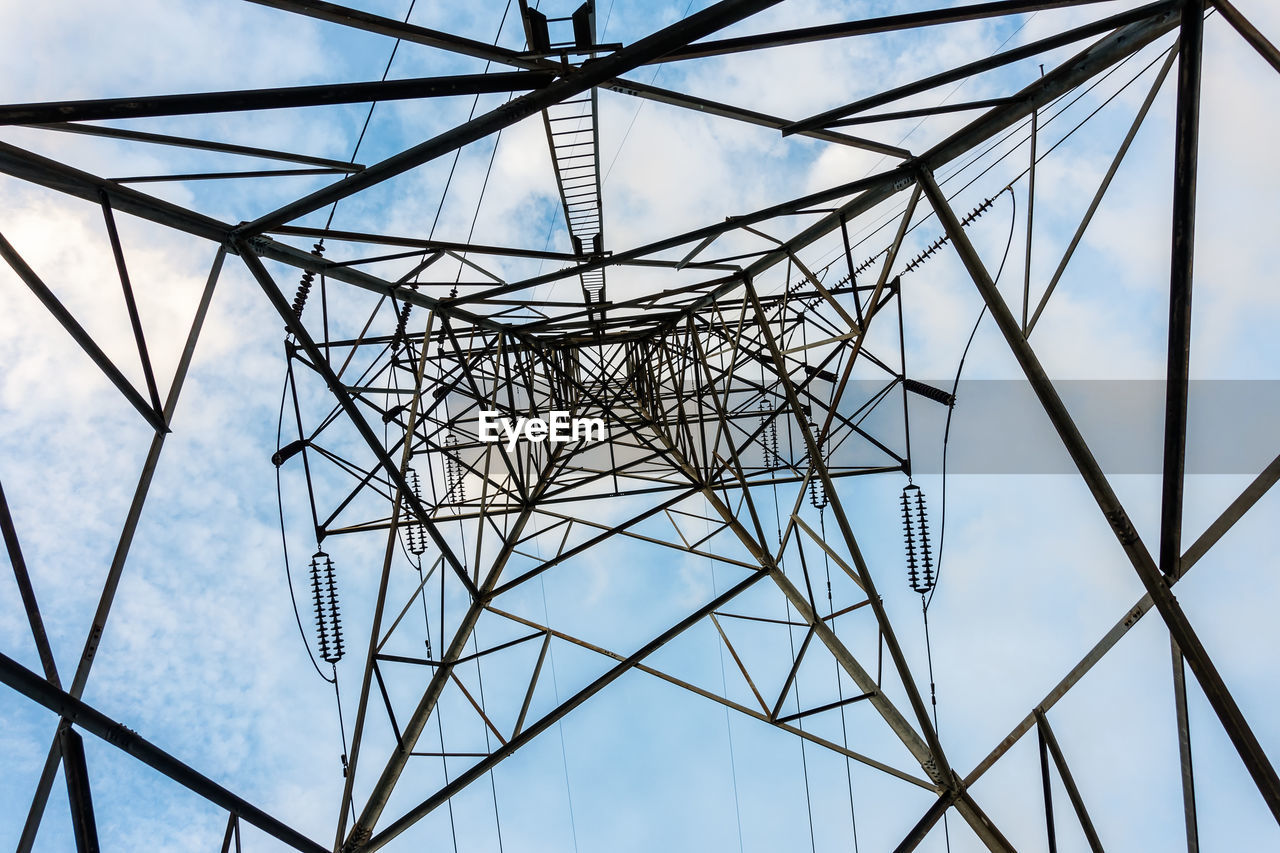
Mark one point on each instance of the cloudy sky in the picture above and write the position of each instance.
(202, 654)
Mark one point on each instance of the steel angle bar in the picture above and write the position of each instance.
(79, 794)
(412, 242)
(271, 99)
(135, 322)
(866, 26)
(700, 24)
(80, 336)
(364, 825)
(224, 176)
(923, 111)
(1050, 741)
(107, 598)
(1102, 188)
(1035, 48)
(551, 718)
(1233, 513)
(402, 30)
(27, 593)
(1250, 33)
(1186, 150)
(201, 145)
(728, 111)
(1215, 689)
(762, 715)
(1250, 496)
(1187, 774)
(96, 723)
(348, 404)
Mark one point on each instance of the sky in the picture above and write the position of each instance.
(202, 654)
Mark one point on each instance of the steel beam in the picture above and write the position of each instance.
(80, 336)
(866, 26)
(134, 514)
(1068, 781)
(285, 97)
(705, 22)
(1215, 689)
(201, 145)
(96, 723)
(1035, 48)
(79, 795)
(27, 592)
(1251, 34)
(484, 765)
(1187, 775)
(348, 404)
(1186, 146)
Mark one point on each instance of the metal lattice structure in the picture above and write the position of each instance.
(739, 368)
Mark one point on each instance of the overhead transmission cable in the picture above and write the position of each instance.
(724, 683)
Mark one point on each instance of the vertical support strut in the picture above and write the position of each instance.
(1215, 689)
(1031, 217)
(1184, 750)
(933, 760)
(81, 800)
(1046, 782)
(1186, 144)
(1050, 741)
(27, 592)
(125, 542)
(1181, 273)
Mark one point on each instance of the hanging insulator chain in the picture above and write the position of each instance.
(402, 322)
(455, 487)
(324, 594)
(414, 534)
(769, 440)
(817, 492)
(926, 558)
(908, 534)
(915, 526)
(817, 488)
(304, 286)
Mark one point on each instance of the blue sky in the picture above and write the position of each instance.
(202, 655)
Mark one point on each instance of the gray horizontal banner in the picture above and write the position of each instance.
(1000, 427)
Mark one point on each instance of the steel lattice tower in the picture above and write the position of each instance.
(738, 367)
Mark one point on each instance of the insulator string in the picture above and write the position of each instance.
(915, 530)
(414, 533)
(324, 593)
